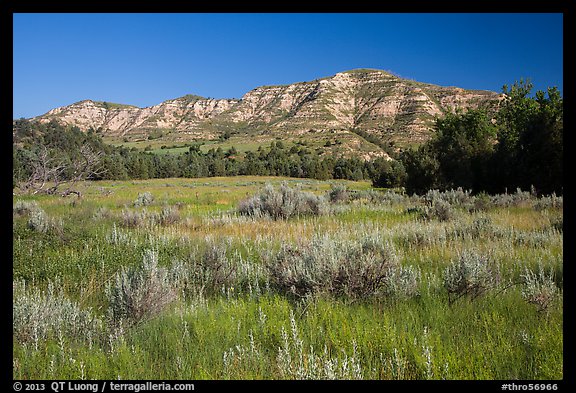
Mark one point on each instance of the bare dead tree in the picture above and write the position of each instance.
(50, 174)
(46, 170)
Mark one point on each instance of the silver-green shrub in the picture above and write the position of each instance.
(517, 199)
(168, 215)
(102, 213)
(144, 199)
(138, 294)
(37, 315)
(338, 193)
(482, 227)
(549, 202)
(39, 221)
(439, 210)
(404, 282)
(539, 289)
(557, 223)
(211, 270)
(471, 274)
(133, 218)
(457, 197)
(351, 268)
(283, 203)
(21, 208)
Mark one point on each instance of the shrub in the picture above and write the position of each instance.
(518, 199)
(481, 227)
(539, 289)
(377, 197)
(557, 223)
(21, 208)
(439, 205)
(442, 211)
(404, 282)
(392, 197)
(144, 199)
(415, 235)
(138, 294)
(41, 314)
(536, 239)
(456, 197)
(338, 193)
(549, 202)
(439, 210)
(133, 219)
(335, 266)
(40, 222)
(168, 215)
(472, 274)
(102, 213)
(211, 270)
(282, 204)
(481, 203)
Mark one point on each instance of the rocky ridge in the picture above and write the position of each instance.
(371, 101)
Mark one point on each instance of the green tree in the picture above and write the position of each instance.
(463, 145)
(422, 169)
(391, 175)
(530, 139)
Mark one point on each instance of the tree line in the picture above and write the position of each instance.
(51, 152)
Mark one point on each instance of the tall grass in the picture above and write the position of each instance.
(378, 286)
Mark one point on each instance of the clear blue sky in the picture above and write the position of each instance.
(144, 59)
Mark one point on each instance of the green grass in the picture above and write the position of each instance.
(112, 105)
(343, 143)
(248, 329)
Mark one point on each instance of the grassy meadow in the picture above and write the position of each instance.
(191, 279)
(339, 143)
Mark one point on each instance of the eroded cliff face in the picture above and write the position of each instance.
(369, 100)
(186, 115)
(372, 101)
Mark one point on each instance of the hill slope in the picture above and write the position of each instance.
(371, 101)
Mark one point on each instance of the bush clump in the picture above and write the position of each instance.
(457, 197)
(338, 194)
(38, 220)
(549, 202)
(144, 199)
(168, 215)
(138, 294)
(21, 208)
(209, 270)
(283, 203)
(539, 289)
(134, 219)
(37, 315)
(472, 274)
(349, 268)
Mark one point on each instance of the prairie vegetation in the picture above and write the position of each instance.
(280, 278)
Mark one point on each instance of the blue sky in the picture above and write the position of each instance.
(144, 59)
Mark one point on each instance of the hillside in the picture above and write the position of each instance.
(364, 100)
